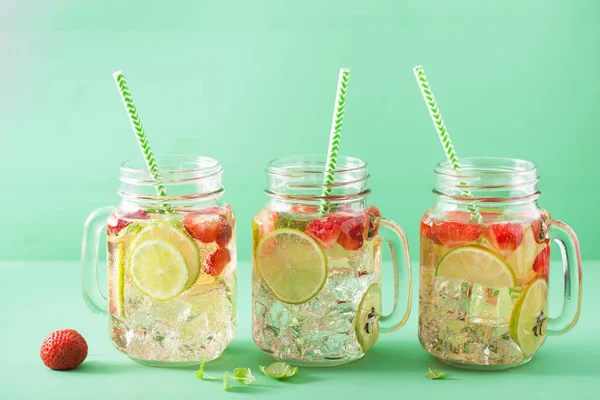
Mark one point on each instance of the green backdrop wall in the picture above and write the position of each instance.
(249, 81)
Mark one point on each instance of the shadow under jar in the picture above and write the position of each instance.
(316, 276)
(171, 263)
(485, 256)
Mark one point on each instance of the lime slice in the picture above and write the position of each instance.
(158, 269)
(116, 276)
(121, 279)
(292, 265)
(528, 320)
(185, 245)
(476, 264)
(278, 370)
(366, 323)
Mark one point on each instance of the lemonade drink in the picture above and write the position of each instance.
(485, 255)
(172, 284)
(316, 284)
(316, 276)
(171, 263)
(483, 288)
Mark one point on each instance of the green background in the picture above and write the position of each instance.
(246, 82)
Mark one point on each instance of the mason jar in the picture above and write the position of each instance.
(171, 263)
(317, 270)
(485, 257)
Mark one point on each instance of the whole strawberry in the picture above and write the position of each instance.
(64, 349)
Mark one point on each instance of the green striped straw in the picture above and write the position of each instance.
(138, 130)
(334, 138)
(443, 134)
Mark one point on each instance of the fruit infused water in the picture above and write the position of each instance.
(316, 284)
(485, 250)
(172, 284)
(171, 256)
(483, 288)
(316, 273)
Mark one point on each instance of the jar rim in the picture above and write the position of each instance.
(486, 166)
(487, 180)
(184, 178)
(167, 165)
(308, 163)
(304, 178)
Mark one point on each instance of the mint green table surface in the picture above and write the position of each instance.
(39, 297)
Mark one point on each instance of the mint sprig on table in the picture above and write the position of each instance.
(277, 370)
(435, 374)
(241, 375)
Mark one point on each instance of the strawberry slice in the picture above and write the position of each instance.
(540, 230)
(216, 262)
(464, 216)
(325, 230)
(506, 236)
(427, 229)
(540, 227)
(374, 213)
(116, 224)
(265, 220)
(541, 264)
(224, 233)
(451, 233)
(203, 227)
(352, 233)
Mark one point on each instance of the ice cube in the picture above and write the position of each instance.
(278, 317)
(135, 300)
(171, 312)
(452, 295)
(337, 345)
(340, 319)
(490, 306)
(343, 283)
(361, 260)
(456, 336)
(148, 336)
(502, 350)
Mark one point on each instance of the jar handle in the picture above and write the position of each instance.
(566, 239)
(393, 234)
(89, 260)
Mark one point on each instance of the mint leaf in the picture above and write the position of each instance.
(134, 226)
(243, 375)
(278, 370)
(200, 372)
(225, 381)
(435, 374)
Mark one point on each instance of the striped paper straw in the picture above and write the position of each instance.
(334, 138)
(443, 134)
(138, 130)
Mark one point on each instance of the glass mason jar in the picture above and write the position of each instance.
(484, 266)
(316, 276)
(171, 263)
